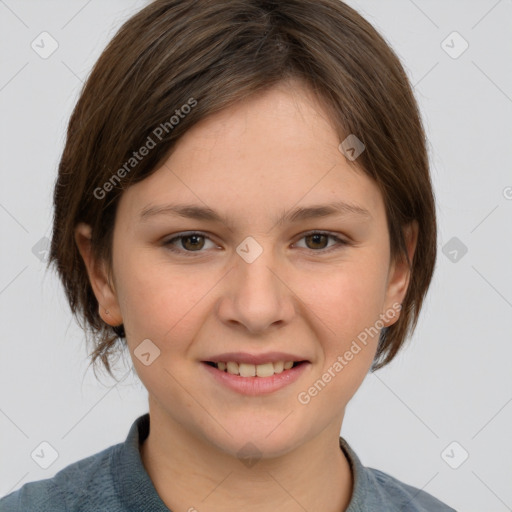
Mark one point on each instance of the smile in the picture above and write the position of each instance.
(251, 379)
(254, 370)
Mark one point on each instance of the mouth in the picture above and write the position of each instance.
(256, 379)
(254, 370)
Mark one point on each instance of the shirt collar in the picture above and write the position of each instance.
(360, 479)
(133, 485)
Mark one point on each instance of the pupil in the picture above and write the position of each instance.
(194, 243)
(316, 236)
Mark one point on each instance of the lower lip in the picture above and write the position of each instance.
(257, 385)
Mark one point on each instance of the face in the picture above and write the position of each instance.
(306, 285)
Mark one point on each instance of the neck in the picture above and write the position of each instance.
(191, 474)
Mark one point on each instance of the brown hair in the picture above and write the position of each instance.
(215, 53)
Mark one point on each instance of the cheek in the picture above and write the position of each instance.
(162, 302)
(146, 297)
(347, 298)
(346, 303)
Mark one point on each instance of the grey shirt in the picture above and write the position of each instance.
(115, 480)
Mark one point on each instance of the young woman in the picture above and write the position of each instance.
(244, 203)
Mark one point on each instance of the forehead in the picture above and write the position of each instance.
(276, 150)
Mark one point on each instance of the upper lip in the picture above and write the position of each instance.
(245, 357)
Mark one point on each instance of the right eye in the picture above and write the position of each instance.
(190, 242)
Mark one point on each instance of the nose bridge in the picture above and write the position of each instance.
(257, 258)
(258, 297)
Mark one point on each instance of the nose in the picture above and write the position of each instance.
(255, 294)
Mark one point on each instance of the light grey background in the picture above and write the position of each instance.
(453, 382)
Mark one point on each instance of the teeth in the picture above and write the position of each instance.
(278, 367)
(252, 370)
(232, 367)
(264, 370)
(248, 370)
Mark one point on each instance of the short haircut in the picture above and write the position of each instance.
(175, 62)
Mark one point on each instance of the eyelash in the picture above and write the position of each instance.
(339, 243)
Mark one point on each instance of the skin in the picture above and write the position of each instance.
(268, 154)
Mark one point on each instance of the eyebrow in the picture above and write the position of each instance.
(192, 211)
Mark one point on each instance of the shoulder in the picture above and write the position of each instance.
(375, 490)
(88, 480)
(401, 496)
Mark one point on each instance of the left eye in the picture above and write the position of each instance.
(194, 242)
(319, 237)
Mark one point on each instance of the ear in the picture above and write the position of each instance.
(399, 273)
(104, 291)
